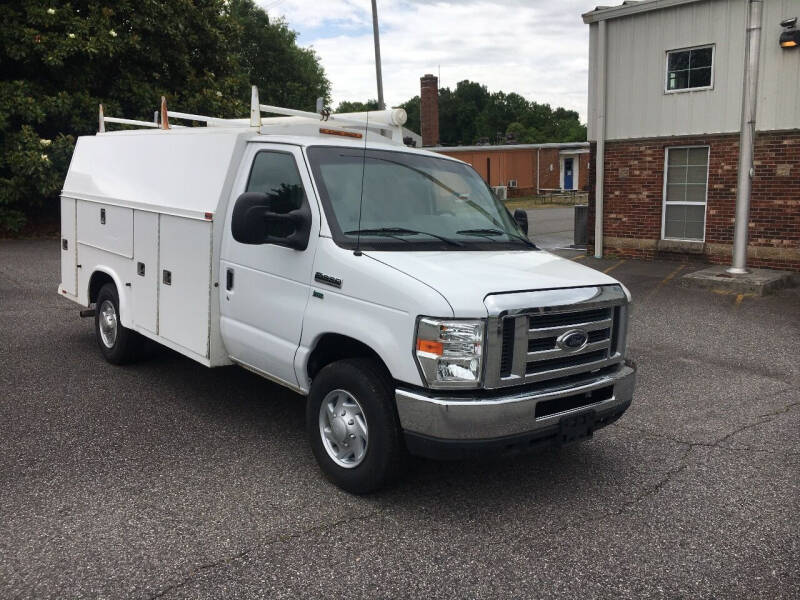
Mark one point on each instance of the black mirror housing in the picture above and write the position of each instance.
(254, 222)
(521, 217)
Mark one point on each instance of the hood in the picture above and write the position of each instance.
(465, 278)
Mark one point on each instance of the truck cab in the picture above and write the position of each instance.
(386, 285)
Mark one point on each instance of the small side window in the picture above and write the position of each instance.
(276, 174)
(690, 68)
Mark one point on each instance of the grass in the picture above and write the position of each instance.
(542, 201)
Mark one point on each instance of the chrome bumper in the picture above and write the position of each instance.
(486, 418)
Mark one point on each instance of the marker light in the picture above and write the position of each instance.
(450, 352)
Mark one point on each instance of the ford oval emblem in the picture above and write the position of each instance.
(572, 340)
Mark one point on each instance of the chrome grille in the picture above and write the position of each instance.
(522, 340)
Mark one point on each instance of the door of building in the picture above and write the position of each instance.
(568, 174)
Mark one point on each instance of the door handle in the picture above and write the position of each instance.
(229, 279)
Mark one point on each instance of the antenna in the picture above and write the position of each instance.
(361, 200)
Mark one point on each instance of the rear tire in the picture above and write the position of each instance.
(119, 345)
(352, 425)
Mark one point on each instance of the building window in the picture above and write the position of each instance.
(690, 69)
(685, 193)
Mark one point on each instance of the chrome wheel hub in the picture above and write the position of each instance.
(107, 321)
(343, 428)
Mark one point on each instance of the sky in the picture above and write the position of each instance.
(537, 48)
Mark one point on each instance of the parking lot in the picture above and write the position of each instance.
(166, 479)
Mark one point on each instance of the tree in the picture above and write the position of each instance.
(471, 113)
(60, 59)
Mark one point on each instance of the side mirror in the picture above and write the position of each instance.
(253, 221)
(521, 217)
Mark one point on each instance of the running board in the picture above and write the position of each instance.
(88, 312)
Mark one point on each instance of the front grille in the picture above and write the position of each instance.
(530, 344)
(542, 366)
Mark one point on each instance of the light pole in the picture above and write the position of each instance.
(376, 35)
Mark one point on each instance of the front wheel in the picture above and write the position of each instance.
(352, 427)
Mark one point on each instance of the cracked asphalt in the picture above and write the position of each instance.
(168, 480)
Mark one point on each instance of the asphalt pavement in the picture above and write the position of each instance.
(552, 227)
(165, 479)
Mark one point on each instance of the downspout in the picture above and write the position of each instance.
(537, 170)
(600, 120)
(746, 137)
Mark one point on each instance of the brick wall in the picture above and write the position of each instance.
(633, 182)
(429, 109)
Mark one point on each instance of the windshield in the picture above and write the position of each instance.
(410, 201)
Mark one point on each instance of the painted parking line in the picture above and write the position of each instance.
(664, 281)
(612, 267)
(579, 257)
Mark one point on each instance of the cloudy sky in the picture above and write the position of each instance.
(538, 48)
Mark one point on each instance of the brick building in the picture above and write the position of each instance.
(665, 98)
(523, 168)
(527, 168)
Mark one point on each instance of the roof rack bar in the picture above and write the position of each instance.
(127, 122)
(201, 118)
(341, 121)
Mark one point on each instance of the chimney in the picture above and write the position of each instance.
(429, 110)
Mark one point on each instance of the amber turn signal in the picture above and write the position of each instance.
(430, 347)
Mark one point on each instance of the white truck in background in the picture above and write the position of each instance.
(387, 285)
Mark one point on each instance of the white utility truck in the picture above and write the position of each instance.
(388, 285)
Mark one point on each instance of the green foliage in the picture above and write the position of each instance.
(470, 114)
(346, 106)
(60, 59)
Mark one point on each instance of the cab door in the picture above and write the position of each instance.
(264, 288)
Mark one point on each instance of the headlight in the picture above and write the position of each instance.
(449, 352)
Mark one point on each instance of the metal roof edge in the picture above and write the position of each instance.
(497, 147)
(603, 13)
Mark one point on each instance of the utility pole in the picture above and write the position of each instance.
(376, 35)
(750, 87)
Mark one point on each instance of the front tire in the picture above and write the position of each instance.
(352, 425)
(118, 344)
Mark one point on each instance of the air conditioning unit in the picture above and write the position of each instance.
(512, 183)
(500, 191)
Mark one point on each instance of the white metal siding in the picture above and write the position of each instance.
(779, 78)
(637, 106)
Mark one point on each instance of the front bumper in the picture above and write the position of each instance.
(462, 425)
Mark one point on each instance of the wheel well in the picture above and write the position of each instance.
(97, 281)
(333, 346)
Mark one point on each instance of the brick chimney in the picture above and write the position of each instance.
(429, 110)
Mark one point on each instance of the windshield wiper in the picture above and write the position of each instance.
(488, 233)
(395, 231)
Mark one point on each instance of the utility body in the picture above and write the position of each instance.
(386, 284)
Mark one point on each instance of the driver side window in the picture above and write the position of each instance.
(276, 174)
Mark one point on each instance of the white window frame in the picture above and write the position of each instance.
(689, 89)
(704, 204)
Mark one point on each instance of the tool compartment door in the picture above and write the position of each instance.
(69, 252)
(106, 227)
(184, 279)
(145, 278)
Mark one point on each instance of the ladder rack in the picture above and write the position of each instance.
(385, 123)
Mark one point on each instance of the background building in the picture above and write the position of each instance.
(523, 168)
(528, 168)
(665, 90)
